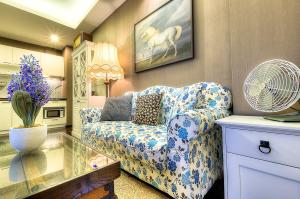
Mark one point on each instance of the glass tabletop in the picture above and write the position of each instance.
(60, 159)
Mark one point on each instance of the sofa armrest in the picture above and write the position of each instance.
(90, 115)
(194, 149)
(192, 123)
(185, 129)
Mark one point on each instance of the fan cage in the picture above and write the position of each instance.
(273, 86)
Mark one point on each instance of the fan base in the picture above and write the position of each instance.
(284, 118)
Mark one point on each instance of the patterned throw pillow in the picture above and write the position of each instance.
(147, 109)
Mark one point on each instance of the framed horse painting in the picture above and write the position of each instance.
(165, 36)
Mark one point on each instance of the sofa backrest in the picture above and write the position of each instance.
(175, 100)
(214, 95)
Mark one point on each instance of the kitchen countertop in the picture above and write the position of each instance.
(58, 99)
(51, 99)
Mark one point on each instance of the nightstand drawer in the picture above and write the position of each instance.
(284, 149)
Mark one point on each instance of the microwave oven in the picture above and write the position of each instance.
(53, 112)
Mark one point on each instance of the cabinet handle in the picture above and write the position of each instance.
(264, 147)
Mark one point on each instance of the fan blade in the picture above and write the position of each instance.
(267, 73)
(254, 90)
(265, 100)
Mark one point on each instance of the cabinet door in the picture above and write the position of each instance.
(76, 78)
(80, 84)
(18, 53)
(82, 75)
(77, 123)
(76, 120)
(39, 118)
(250, 178)
(53, 65)
(6, 53)
(6, 112)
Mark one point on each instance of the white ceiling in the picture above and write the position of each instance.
(21, 25)
(68, 12)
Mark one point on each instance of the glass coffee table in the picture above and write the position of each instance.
(63, 167)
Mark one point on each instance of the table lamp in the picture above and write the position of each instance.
(105, 64)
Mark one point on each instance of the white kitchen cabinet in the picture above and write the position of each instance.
(261, 158)
(55, 122)
(6, 112)
(6, 54)
(19, 52)
(58, 103)
(53, 65)
(16, 120)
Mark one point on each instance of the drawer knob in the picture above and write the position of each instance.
(264, 147)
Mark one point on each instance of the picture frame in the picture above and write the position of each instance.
(160, 42)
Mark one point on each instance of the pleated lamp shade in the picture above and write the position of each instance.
(105, 64)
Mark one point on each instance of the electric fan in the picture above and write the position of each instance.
(274, 86)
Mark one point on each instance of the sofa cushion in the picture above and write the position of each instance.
(143, 142)
(117, 109)
(147, 109)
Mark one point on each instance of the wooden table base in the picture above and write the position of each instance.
(105, 192)
(98, 184)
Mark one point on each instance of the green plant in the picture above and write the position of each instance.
(28, 90)
(22, 105)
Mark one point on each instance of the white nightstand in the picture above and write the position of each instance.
(261, 158)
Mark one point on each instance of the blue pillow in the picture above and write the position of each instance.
(117, 109)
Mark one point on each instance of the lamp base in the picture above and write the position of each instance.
(107, 83)
(294, 117)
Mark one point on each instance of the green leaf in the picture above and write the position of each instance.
(22, 105)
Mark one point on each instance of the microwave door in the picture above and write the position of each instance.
(53, 113)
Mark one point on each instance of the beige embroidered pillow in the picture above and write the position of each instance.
(147, 109)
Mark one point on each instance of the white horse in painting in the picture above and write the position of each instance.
(165, 39)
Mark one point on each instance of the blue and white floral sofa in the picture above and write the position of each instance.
(183, 155)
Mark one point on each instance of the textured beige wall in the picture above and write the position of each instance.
(231, 38)
(261, 30)
(211, 62)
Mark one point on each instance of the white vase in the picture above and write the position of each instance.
(27, 139)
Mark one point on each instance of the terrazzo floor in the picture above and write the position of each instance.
(129, 187)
